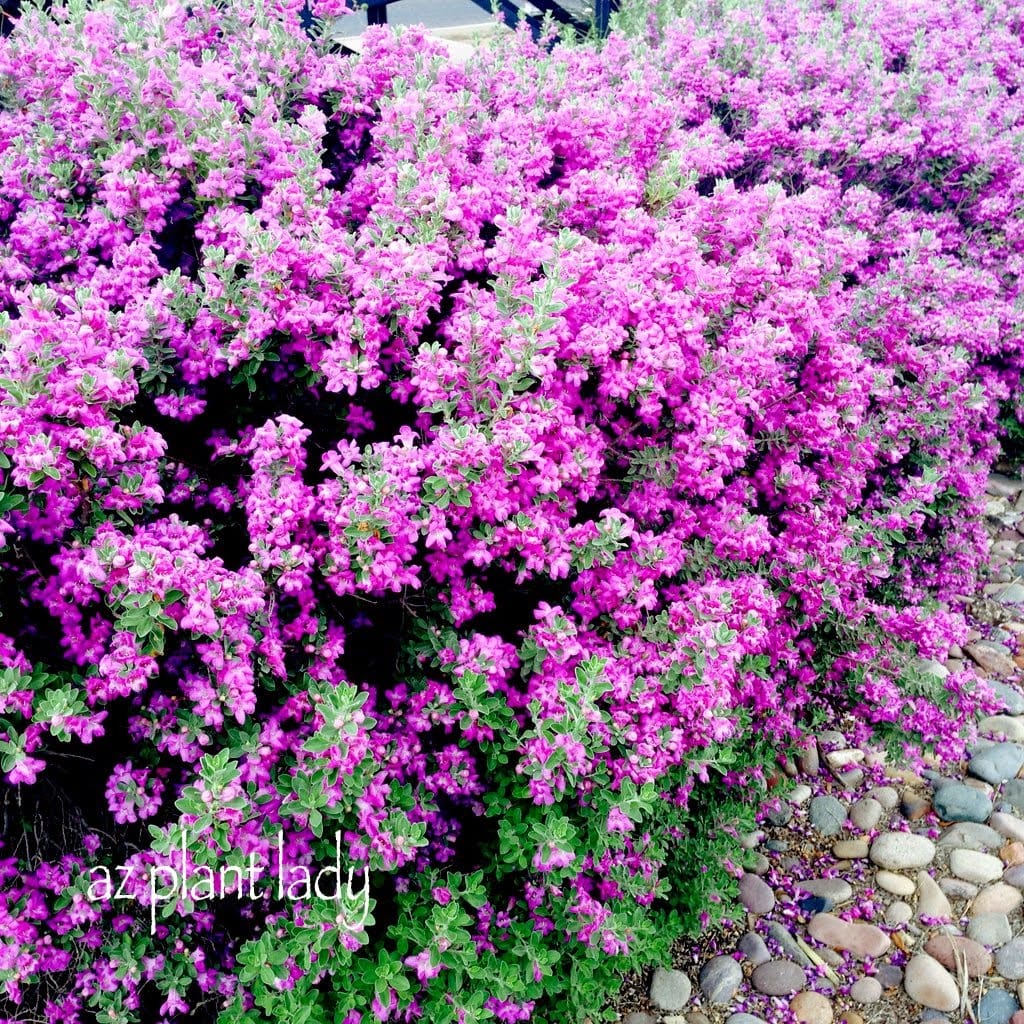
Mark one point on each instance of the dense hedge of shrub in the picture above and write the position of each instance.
(488, 469)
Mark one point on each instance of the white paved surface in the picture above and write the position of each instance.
(431, 13)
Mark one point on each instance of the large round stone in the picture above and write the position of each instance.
(996, 1006)
(997, 899)
(828, 815)
(900, 851)
(969, 835)
(778, 978)
(811, 1008)
(898, 885)
(864, 941)
(866, 813)
(1010, 960)
(958, 802)
(951, 950)
(975, 866)
(932, 903)
(756, 895)
(998, 763)
(835, 889)
(719, 979)
(990, 930)
(866, 990)
(753, 947)
(929, 984)
(1013, 791)
(670, 990)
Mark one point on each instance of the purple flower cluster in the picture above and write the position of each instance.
(486, 462)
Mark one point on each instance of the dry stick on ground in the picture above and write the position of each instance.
(964, 980)
(818, 960)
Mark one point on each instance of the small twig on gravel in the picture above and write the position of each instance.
(965, 1001)
(818, 960)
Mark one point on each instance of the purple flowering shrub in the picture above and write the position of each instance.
(477, 474)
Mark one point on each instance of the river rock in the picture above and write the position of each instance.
(866, 990)
(839, 759)
(900, 851)
(831, 739)
(866, 813)
(970, 835)
(949, 949)
(991, 930)
(670, 990)
(811, 1008)
(886, 796)
(958, 802)
(835, 889)
(1008, 825)
(780, 934)
(753, 947)
(999, 898)
(898, 885)
(864, 941)
(760, 864)
(1012, 853)
(1010, 960)
(958, 889)
(996, 1006)
(932, 902)
(779, 814)
(778, 978)
(719, 979)
(850, 849)
(1007, 697)
(827, 814)
(800, 795)
(756, 895)
(974, 866)
(1002, 726)
(1012, 593)
(808, 758)
(889, 976)
(928, 983)
(1001, 486)
(1013, 793)
(932, 667)
(997, 763)
(898, 913)
(750, 840)
(993, 659)
(914, 805)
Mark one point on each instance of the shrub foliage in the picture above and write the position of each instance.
(477, 474)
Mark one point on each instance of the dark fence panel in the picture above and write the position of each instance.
(377, 11)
